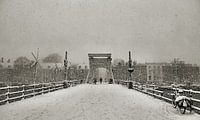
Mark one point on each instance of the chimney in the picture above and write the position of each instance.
(8, 61)
(66, 55)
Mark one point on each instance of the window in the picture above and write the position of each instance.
(155, 77)
(158, 67)
(149, 77)
(79, 67)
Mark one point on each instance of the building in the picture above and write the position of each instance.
(82, 66)
(77, 72)
(6, 63)
(155, 72)
(139, 74)
(159, 73)
(183, 72)
(168, 74)
(174, 72)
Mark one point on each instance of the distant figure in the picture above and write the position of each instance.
(81, 81)
(111, 81)
(101, 80)
(95, 81)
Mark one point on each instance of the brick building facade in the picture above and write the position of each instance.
(139, 74)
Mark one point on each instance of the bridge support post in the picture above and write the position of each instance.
(65, 65)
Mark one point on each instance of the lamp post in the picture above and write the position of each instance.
(130, 70)
(65, 65)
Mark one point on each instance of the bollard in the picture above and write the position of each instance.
(43, 86)
(81, 82)
(117, 82)
(161, 94)
(66, 84)
(130, 85)
(111, 81)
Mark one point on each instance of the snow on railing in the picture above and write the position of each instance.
(14, 93)
(166, 96)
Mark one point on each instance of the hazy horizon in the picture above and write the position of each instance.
(153, 30)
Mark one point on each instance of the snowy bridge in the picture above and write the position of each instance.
(93, 102)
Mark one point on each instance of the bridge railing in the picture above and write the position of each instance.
(165, 95)
(15, 93)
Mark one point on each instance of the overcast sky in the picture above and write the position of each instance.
(154, 30)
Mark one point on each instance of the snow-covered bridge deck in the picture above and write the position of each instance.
(93, 102)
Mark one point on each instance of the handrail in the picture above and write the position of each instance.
(10, 93)
(196, 100)
(161, 95)
(154, 90)
(3, 88)
(24, 93)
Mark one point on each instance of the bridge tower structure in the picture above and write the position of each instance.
(99, 60)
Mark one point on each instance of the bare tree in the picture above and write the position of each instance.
(22, 62)
(53, 58)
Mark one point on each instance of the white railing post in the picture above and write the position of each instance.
(23, 91)
(7, 96)
(53, 87)
(34, 89)
(42, 88)
(49, 87)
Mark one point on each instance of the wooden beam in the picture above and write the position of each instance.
(107, 55)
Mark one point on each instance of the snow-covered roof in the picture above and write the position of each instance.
(51, 65)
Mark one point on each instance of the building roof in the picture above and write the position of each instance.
(51, 65)
(99, 54)
(161, 63)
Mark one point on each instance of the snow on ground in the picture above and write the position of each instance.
(93, 102)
